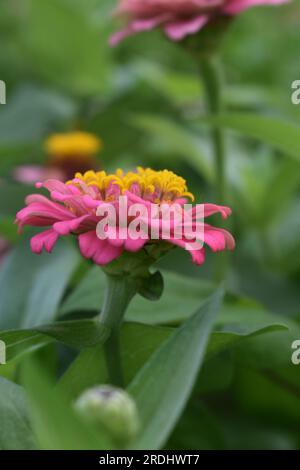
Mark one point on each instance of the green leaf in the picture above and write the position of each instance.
(259, 351)
(283, 136)
(245, 317)
(197, 429)
(81, 65)
(181, 88)
(162, 387)
(287, 228)
(78, 334)
(31, 286)
(270, 394)
(44, 108)
(176, 139)
(55, 423)
(152, 287)
(138, 343)
(270, 351)
(285, 178)
(269, 286)
(12, 196)
(19, 342)
(168, 310)
(88, 296)
(8, 230)
(15, 431)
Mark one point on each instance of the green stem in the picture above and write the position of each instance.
(212, 80)
(118, 294)
(112, 352)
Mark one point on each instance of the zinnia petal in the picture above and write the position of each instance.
(234, 7)
(100, 251)
(45, 240)
(180, 29)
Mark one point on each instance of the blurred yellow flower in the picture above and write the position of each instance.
(75, 145)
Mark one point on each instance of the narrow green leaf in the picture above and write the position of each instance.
(284, 136)
(19, 342)
(162, 388)
(15, 431)
(78, 333)
(138, 343)
(31, 286)
(237, 321)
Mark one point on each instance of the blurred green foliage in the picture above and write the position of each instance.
(145, 100)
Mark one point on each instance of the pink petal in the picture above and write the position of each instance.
(215, 240)
(44, 240)
(118, 37)
(218, 238)
(45, 203)
(42, 213)
(67, 226)
(88, 244)
(107, 253)
(101, 251)
(235, 7)
(52, 184)
(195, 249)
(178, 30)
(137, 26)
(210, 209)
(198, 256)
(135, 245)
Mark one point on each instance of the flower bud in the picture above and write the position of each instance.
(111, 408)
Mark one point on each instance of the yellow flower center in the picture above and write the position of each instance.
(164, 186)
(73, 145)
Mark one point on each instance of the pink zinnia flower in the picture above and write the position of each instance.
(72, 209)
(178, 18)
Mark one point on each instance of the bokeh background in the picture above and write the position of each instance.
(144, 99)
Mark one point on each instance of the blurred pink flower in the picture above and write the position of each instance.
(30, 174)
(177, 18)
(72, 209)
